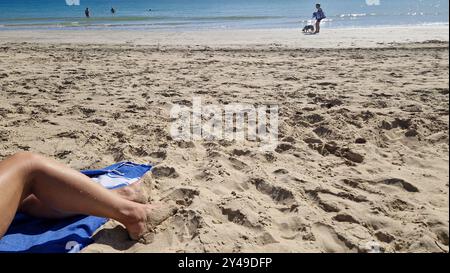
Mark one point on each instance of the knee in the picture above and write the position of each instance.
(25, 156)
(27, 160)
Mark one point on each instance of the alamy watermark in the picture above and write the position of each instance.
(231, 122)
(373, 2)
(73, 2)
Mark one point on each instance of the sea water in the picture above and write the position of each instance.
(217, 14)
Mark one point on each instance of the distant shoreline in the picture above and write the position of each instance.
(293, 38)
(83, 24)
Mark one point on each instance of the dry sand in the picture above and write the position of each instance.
(291, 38)
(364, 133)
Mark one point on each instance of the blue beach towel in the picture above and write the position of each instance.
(32, 235)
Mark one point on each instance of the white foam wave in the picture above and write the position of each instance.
(353, 15)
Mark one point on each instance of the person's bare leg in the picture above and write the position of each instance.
(66, 190)
(31, 205)
(317, 30)
(137, 192)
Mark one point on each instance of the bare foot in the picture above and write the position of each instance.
(137, 192)
(148, 217)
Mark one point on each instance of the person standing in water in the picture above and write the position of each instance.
(113, 11)
(87, 13)
(319, 15)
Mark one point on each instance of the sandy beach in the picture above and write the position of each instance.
(363, 153)
(287, 38)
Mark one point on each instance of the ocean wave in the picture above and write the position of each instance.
(138, 18)
(232, 18)
(353, 15)
(356, 15)
(82, 19)
(121, 21)
(416, 13)
(435, 24)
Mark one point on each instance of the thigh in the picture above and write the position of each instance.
(31, 205)
(13, 175)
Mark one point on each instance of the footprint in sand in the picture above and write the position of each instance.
(277, 194)
(237, 164)
(314, 118)
(239, 152)
(270, 157)
(284, 147)
(187, 224)
(322, 131)
(4, 135)
(293, 227)
(164, 172)
(161, 155)
(87, 112)
(344, 217)
(69, 134)
(98, 122)
(238, 216)
(400, 183)
(334, 149)
(266, 238)
(329, 240)
(182, 196)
